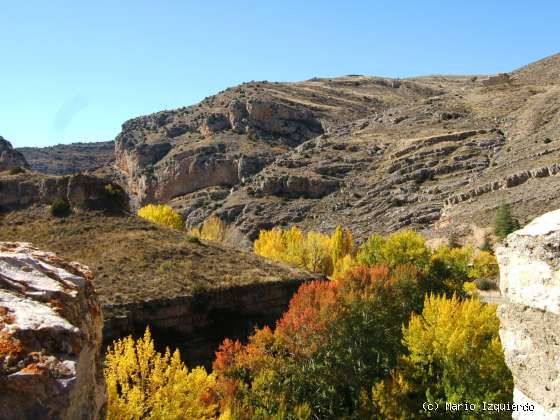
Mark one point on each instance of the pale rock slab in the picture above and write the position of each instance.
(50, 337)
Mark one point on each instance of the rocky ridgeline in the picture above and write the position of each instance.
(81, 191)
(376, 155)
(9, 157)
(530, 320)
(509, 181)
(50, 337)
(66, 159)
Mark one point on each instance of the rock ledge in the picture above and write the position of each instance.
(50, 334)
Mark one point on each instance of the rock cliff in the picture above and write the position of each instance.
(530, 320)
(50, 337)
(9, 157)
(437, 153)
(81, 191)
(66, 159)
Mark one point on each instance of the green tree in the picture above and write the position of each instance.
(504, 222)
(404, 247)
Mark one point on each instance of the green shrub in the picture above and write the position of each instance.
(193, 239)
(504, 223)
(60, 207)
(165, 267)
(17, 170)
(111, 199)
(484, 284)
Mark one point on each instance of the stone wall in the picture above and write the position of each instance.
(530, 319)
(50, 337)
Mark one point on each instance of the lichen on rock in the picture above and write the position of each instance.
(50, 337)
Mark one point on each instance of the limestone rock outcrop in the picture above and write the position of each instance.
(50, 337)
(436, 153)
(81, 191)
(174, 153)
(9, 157)
(530, 319)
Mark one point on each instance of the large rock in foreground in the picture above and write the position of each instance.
(50, 334)
(530, 321)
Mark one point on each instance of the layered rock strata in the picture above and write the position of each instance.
(50, 337)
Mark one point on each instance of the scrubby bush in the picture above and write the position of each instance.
(193, 239)
(142, 383)
(16, 170)
(112, 198)
(215, 230)
(60, 207)
(162, 215)
(484, 284)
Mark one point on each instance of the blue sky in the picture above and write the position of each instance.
(76, 70)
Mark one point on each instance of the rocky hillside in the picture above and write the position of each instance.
(530, 318)
(436, 153)
(64, 159)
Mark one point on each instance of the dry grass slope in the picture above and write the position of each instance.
(135, 261)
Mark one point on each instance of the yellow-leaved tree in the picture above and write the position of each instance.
(212, 229)
(454, 355)
(161, 214)
(145, 384)
(311, 250)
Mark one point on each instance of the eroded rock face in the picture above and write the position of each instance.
(437, 154)
(170, 154)
(530, 321)
(9, 157)
(50, 337)
(81, 191)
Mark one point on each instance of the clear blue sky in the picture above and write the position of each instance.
(76, 70)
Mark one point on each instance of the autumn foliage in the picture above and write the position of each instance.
(453, 355)
(162, 215)
(212, 229)
(312, 251)
(393, 327)
(142, 383)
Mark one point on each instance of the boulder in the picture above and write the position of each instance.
(10, 158)
(530, 319)
(50, 337)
